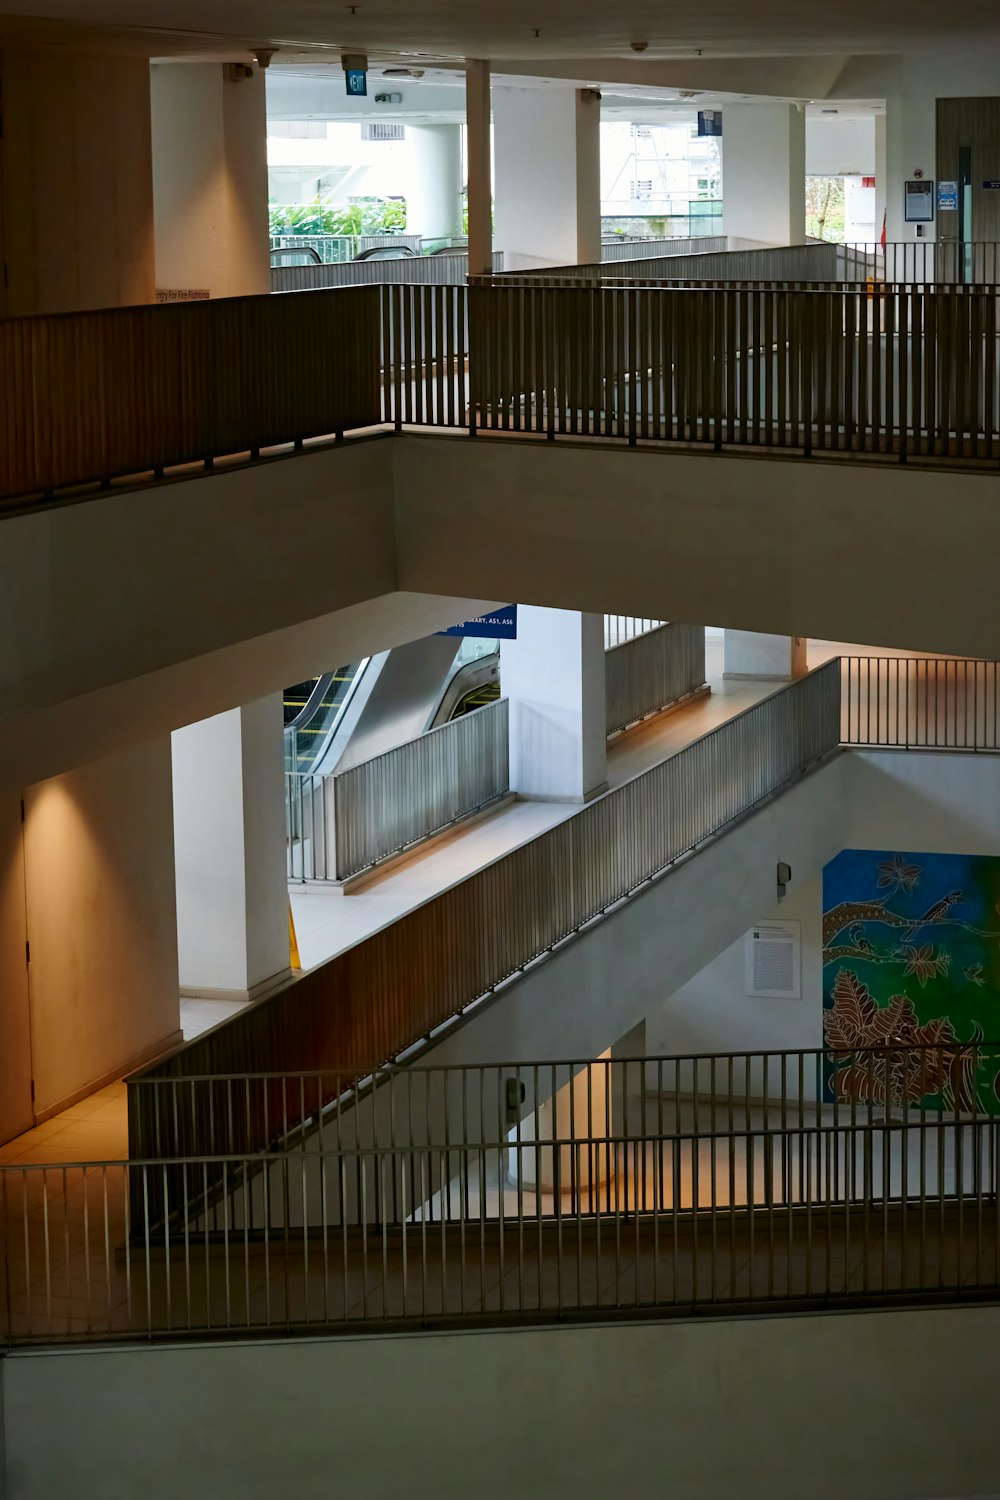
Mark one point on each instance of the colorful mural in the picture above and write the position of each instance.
(911, 954)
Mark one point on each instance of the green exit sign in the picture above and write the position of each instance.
(357, 82)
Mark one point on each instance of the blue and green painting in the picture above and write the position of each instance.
(911, 956)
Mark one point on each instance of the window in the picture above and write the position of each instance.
(375, 130)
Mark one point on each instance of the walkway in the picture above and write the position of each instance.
(326, 922)
(73, 1270)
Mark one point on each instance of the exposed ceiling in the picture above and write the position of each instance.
(526, 31)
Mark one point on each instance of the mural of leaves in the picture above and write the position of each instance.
(911, 960)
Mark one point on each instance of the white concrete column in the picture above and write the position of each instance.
(76, 188)
(749, 654)
(764, 173)
(881, 177)
(911, 147)
(570, 1132)
(553, 675)
(547, 145)
(210, 179)
(229, 833)
(101, 922)
(434, 181)
(480, 166)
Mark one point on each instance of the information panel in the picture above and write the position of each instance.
(774, 961)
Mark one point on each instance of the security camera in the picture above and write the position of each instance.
(638, 46)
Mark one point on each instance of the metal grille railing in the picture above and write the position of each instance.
(343, 824)
(926, 703)
(912, 372)
(656, 1197)
(908, 371)
(651, 670)
(621, 628)
(375, 1000)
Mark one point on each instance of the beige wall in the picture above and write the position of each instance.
(99, 877)
(15, 1031)
(210, 179)
(814, 1407)
(784, 546)
(77, 180)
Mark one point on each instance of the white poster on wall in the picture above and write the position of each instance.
(774, 961)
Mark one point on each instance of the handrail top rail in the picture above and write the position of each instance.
(418, 1069)
(425, 734)
(919, 1119)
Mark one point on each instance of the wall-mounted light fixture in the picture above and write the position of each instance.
(784, 878)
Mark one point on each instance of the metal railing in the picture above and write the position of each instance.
(335, 248)
(698, 260)
(621, 628)
(417, 270)
(912, 372)
(907, 371)
(651, 670)
(343, 824)
(653, 249)
(925, 703)
(940, 262)
(692, 1200)
(375, 1000)
(579, 1098)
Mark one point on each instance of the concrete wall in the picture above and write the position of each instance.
(763, 172)
(99, 884)
(114, 626)
(767, 1408)
(786, 547)
(15, 1021)
(547, 168)
(840, 145)
(941, 804)
(210, 179)
(78, 192)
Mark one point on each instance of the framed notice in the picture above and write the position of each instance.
(918, 201)
(774, 961)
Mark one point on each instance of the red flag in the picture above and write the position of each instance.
(882, 239)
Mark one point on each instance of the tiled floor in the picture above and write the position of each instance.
(96, 1129)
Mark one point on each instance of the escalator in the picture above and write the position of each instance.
(335, 721)
(312, 711)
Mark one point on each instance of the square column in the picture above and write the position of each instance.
(434, 182)
(210, 179)
(229, 834)
(750, 655)
(554, 677)
(479, 148)
(547, 148)
(764, 173)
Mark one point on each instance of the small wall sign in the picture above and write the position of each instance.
(947, 196)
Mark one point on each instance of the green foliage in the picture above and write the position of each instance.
(317, 217)
(825, 208)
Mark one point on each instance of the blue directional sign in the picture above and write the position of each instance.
(357, 82)
(500, 625)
